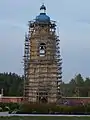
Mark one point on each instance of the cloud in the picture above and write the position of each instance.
(84, 20)
(12, 23)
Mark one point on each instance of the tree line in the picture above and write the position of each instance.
(12, 85)
(77, 87)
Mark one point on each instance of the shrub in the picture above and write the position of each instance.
(9, 106)
(52, 108)
(1, 109)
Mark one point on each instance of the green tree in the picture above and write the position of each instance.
(79, 80)
(12, 84)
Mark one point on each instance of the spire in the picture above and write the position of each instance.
(43, 8)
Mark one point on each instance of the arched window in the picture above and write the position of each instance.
(42, 49)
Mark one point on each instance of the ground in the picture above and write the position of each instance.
(45, 118)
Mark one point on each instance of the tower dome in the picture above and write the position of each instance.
(43, 18)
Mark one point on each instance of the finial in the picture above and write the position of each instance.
(43, 8)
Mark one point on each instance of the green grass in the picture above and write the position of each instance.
(45, 118)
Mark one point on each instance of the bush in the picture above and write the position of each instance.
(1, 109)
(52, 108)
(9, 106)
(26, 108)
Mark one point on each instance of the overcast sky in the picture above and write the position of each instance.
(73, 20)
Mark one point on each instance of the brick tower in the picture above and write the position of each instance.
(42, 61)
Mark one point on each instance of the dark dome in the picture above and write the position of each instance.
(42, 18)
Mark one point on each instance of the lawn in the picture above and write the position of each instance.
(45, 118)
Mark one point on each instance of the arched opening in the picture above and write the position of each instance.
(42, 96)
(42, 49)
(43, 99)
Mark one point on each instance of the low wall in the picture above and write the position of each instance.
(76, 100)
(11, 99)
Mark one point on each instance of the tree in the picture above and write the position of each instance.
(12, 84)
(87, 82)
(79, 80)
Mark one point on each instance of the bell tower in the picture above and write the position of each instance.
(42, 61)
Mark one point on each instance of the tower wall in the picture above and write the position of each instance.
(43, 71)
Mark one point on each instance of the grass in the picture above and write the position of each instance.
(45, 118)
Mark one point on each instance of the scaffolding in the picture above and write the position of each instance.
(26, 59)
(43, 74)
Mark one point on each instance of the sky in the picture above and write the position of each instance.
(73, 21)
